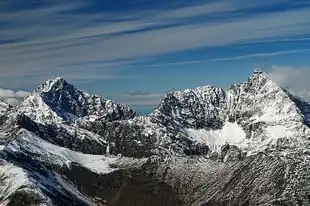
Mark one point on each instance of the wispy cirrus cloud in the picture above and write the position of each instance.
(232, 58)
(45, 40)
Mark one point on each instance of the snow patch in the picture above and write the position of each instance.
(231, 133)
(278, 131)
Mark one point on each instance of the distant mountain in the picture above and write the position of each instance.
(248, 145)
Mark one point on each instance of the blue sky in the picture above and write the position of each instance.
(134, 51)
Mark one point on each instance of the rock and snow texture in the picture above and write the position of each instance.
(253, 115)
(4, 107)
(267, 112)
(12, 178)
(63, 144)
(263, 114)
(58, 110)
(202, 107)
(57, 100)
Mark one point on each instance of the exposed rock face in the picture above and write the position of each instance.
(230, 153)
(248, 145)
(203, 107)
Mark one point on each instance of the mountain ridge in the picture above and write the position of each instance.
(248, 145)
(184, 117)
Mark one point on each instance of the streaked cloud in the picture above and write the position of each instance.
(58, 35)
(232, 58)
(48, 40)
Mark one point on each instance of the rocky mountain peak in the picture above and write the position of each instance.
(254, 136)
(53, 84)
(259, 78)
(57, 99)
(258, 110)
(196, 108)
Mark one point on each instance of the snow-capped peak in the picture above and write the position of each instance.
(258, 78)
(52, 84)
(63, 101)
(267, 113)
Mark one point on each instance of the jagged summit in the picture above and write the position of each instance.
(52, 84)
(59, 100)
(266, 113)
(250, 145)
(258, 71)
(251, 114)
(259, 78)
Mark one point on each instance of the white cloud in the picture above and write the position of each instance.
(293, 78)
(12, 97)
(12, 101)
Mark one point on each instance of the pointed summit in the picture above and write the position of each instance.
(259, 74)
(258, 71)
(56, 100)
(53, 84)
(259, 80)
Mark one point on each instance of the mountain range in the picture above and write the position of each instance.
(247, 145)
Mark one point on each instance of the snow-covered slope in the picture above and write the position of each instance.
(56, 155)
(35, 169)
(13, 178)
